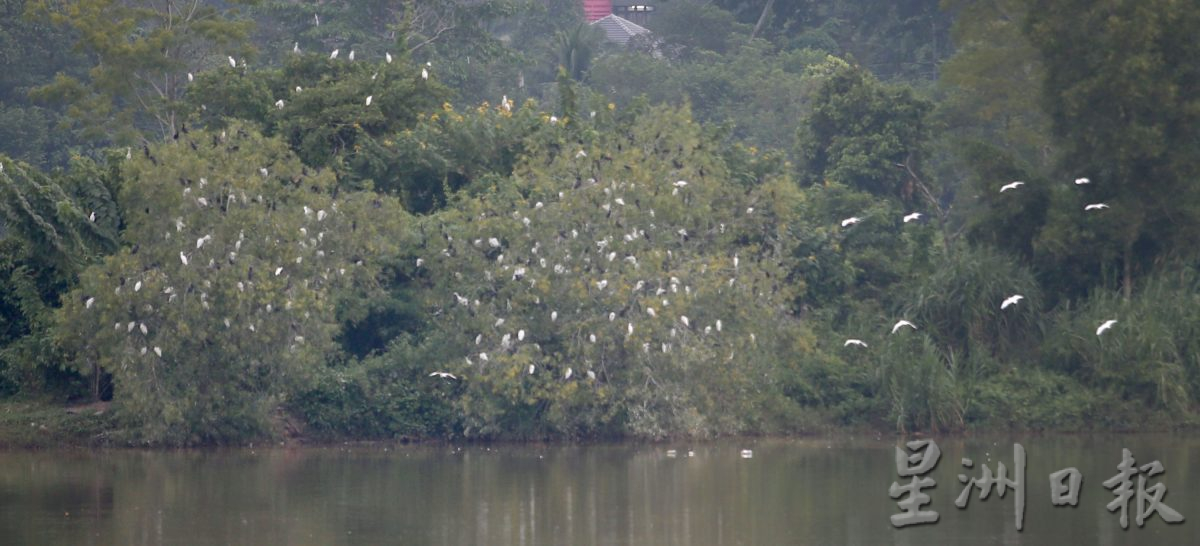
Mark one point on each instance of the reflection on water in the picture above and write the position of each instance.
(812, 491)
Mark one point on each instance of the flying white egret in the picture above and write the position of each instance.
(1011, 300)
(1011, 186)
(912, 217)
(1081, 181)
(443, 375)
(857, 342)
(680, 183)
(902, 323)
(851, 221)
(1095, 206)
(747, 454)
(1103, 327)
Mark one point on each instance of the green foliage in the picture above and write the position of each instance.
(142, 53)
(859, 131)
(598, 239)
(225, 299)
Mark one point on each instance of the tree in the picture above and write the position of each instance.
(143, 52)
(640, 286)
(1120, 90)
(224, 299)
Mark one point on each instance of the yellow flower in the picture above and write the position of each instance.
(447, 107)
(433, 117)
(612, 106)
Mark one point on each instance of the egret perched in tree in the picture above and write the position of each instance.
(1095, 206)
(685, 321)
(334, 54)
(296, 47)
(191, 78)
(531, 368)
(1011, 186)
(857, 342)
(483, 357)
(351, 54)
(278, 270)
(569, 373)
(279, 104)
(912, 217)
(520, 335)
(680, 183)
(902, 323)
(388, 56)
(1011, 300)
(1081, 181)
(424, 74)
(369, 97)
(232, 62)
(158, 352)
(88, 304)
(851, 221)
(183, 257)
(1103, 327)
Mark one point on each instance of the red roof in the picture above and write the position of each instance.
(596, 9)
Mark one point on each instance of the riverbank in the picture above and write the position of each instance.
(45, 424)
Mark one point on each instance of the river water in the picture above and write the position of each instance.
(804, 491)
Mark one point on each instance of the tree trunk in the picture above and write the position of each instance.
(762, 18)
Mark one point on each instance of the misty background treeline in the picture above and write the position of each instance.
(210, 220)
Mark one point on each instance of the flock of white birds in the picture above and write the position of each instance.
(1009, 301)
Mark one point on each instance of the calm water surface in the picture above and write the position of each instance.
(811, 491)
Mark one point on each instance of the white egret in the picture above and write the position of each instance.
(351, 54)
(591, 375)
(424, 74)
(1011, 300)
(1104, 327)
(903, 323)
(912, 217)
(483, 357)
(137, 286)
(279, 104)
(334, 54)
(296, 47)
(1095, 206)
(851, 221)
(183, 257)
(520, 335)
(747, 454)
(278, 270)
(531, 369)
(232, 62)
(553, 316)
(1081, 181)
(443, 375)
(718, 325)
(685, 321)
(1011, 186)
(142, 327)
(88, 304)
(321, 214)
(857, 342)
(158, 352)
(369, 97)
(680, 183)
(388, 56)
(569, 373)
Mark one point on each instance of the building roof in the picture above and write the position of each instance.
(619, 30)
